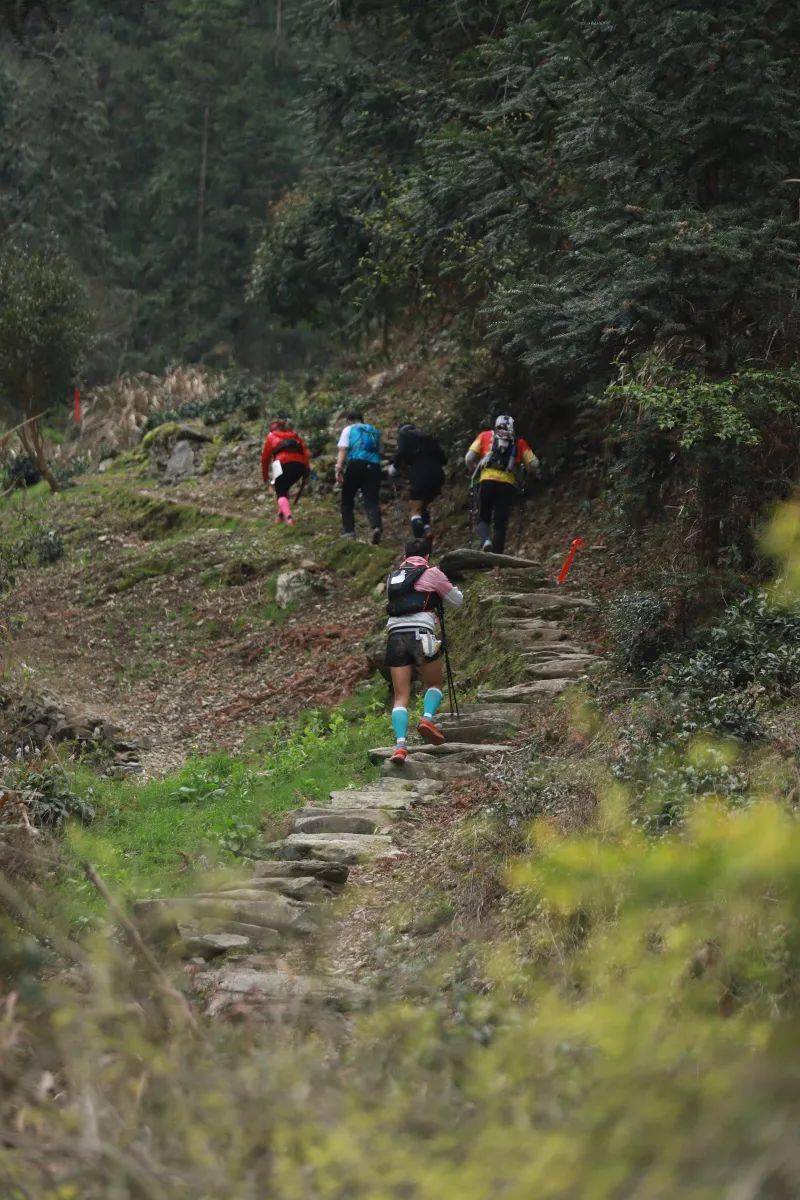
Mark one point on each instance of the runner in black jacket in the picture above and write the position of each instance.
(421, 456)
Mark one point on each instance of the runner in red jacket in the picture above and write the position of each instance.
(284, 459)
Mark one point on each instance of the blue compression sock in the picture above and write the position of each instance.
(433, 698)
(400, 724)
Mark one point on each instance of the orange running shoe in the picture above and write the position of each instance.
(399, 757)
(430, 732)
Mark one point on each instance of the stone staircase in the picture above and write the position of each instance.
(239, 931)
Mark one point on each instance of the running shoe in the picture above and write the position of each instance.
(430, 732)
(399, 757)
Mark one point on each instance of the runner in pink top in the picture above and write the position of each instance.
(414, 590)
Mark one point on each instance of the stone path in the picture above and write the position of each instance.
(240, 933)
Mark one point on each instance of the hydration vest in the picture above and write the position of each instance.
(365, 444)
(291, 444)
(401, 598)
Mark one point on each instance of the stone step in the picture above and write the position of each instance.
(474, 731)
(563, 668)
(424, 766)
(259, 937)
(331, 873)
(507, 629)
(525, 693)
(347, 848)
(510, 713)
(390, 800)
(271, 911)
(309, 890)
(456, 563)
(200, 944)
(548, 604)
(465, 752)
(281, 989)
(320, 820)
(297, 888)
(549, 653)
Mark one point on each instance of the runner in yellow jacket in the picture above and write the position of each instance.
(497, 456)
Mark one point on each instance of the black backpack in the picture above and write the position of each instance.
(502, 452)
(290, 445)
(401, 599)
(414, 444)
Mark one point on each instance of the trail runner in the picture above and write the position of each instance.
(358, 469)
(496, 458)
(414, 592)
(285, 459)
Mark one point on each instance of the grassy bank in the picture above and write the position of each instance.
(167, 834)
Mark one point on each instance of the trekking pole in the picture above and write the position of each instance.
(451, 686)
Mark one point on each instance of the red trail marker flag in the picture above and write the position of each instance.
(577, 544)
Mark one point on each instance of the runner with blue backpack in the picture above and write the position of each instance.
(358, 469)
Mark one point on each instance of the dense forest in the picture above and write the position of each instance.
(147, 143)
(262, 934)
(603, 198)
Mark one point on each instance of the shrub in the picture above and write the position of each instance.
(636, 624)
(20, 472)
(720, 448)
(235, 396)
(34, 545)
(50, 796)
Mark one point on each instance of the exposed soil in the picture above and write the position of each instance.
(181, 667)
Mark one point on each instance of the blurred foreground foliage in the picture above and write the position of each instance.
(650, 1049)
(636, 1035)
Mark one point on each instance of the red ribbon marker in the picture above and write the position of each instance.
(76, 401)
(577, 544)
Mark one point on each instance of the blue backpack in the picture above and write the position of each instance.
(365, 444)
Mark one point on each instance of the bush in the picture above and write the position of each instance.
(720, 448)
(35, 545)
(20, 472)
(636, 624)
(235, 396)
(50, 796)
(749, 659)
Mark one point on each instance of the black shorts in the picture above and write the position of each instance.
(290, 473)
(426, 479)
(405, 649)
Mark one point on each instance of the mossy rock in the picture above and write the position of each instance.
(172, 431)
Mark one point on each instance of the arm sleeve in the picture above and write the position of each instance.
(344, 439)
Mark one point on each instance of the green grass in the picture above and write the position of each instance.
(163, 836)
